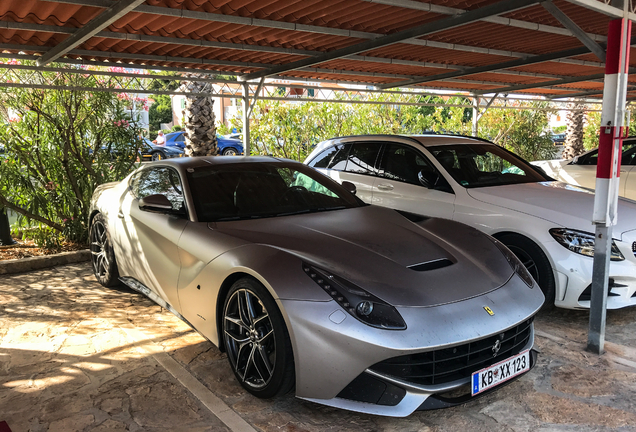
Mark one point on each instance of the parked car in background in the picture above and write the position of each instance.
(546, 223)
(153, 152)
(227, 146)
(301, 283)
(235, 135)
(558, 139)
(581, 170)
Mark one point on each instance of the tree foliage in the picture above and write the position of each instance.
(59, 145)
(291, 129)
(160, 111)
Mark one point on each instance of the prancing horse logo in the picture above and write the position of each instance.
(496, 347)
(490, 312)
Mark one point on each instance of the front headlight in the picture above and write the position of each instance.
(360, 304)
(581, 242)
(515, 263)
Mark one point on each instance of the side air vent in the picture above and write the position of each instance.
(634, 248)
(431, 265)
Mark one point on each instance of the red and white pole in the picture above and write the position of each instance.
(608, 172)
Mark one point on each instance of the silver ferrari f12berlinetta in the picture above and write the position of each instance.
(306, 288)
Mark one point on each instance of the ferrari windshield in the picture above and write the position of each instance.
(255, 190)
(479, 165)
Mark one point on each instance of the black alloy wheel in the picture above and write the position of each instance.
(256, 340)
(230, 151)
(537, 263)
(102, 254)
(158, 156)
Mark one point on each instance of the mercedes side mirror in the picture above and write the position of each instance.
(349, 186)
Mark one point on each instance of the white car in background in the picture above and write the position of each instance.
(546, 223)
(581, 170)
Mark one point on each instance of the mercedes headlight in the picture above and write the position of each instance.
(581, 242)
(360, 304)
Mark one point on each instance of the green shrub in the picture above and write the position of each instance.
(60, 145)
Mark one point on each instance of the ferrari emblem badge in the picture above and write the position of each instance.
(490, 312)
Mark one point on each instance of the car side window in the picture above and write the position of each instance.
(406, 164)
(164, 181)
(362, 158)
(588, 159)
(134, 183)
(323, 160)
(339, 160)
(629, 154)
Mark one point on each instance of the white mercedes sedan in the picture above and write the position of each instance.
(546, 223)
(581, 170)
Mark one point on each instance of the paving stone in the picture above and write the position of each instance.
(75, 423)
(110, 426)
(67, 363)
(156, 404)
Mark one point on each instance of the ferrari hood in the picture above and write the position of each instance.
(560, 203)
(431, 262)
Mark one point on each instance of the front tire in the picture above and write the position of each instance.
(537, 263)
(102, 254)
(230, 152)
(157, 156)
(257, 341)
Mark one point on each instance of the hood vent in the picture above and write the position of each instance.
(431, 265)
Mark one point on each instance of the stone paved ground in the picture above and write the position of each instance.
(72, 359)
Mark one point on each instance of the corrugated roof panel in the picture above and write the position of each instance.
(436, 55)
(591, 23)
(34, 11)
(505, 78)
(379, 67)
(497, 36)
(337, 77)
(358, 15)
(23, 37)
(558, 68)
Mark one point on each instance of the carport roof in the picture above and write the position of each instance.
(553, 49)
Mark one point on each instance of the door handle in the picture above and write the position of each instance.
(385, 186)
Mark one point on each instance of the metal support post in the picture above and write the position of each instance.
(246, 118)
(600, 282)
(475, 115)
(607, 173)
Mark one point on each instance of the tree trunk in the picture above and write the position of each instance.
(5, 229)
(199, 127)
(574, 134)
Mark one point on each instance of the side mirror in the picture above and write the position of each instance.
(423, 180)
(155, 203)
(349, 186)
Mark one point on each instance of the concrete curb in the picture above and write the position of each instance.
(35, 263)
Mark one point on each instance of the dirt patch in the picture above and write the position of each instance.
(28, 249)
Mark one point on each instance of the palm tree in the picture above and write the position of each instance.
(199, 127)
(574, 133)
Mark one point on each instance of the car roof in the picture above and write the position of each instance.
(437, 140)
(427, 140)
(200, 161)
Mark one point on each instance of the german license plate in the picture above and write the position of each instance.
(501, 372)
